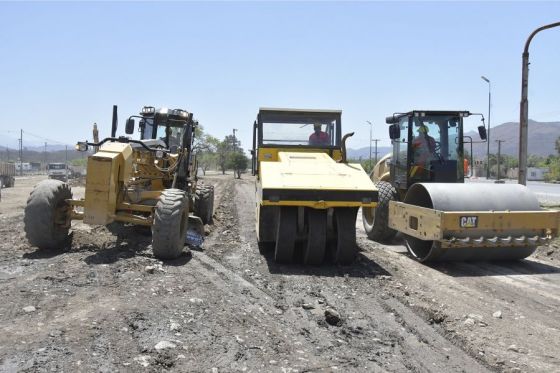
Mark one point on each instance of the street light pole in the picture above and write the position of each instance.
(370, 130)
(524, 106)
(488, 131)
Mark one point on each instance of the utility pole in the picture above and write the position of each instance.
(488, 131)
(20, 152)
(499, 157)
(45, 156)
(66, 146)
(524, 106)
(376, 152)
(370, 134)
(234, 139)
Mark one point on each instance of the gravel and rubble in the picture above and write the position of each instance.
(106, 304)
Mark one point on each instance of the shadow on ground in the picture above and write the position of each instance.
(498, 268)
(362, 267)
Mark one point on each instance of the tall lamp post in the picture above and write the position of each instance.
(488, 131)
(524, 106)
(370, 130)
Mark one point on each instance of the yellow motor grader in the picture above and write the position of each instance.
(307, 195)
(422, 194)
(149, 182)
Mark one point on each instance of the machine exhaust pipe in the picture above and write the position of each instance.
(114, 122)
(343, 147)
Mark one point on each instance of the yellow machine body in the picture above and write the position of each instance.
(307, 195)
(449, 227)
(122, 184)
(106, 171)
(451, 220)
(313, 179)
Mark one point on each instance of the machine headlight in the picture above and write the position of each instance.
(148, 110)
(159, 154)
(81, 146)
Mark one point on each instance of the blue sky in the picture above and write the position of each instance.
(63, 65)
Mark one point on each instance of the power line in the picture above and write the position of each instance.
(45, 138)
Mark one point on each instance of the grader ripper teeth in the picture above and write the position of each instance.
(307, 195)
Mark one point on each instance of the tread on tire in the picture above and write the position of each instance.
(45, 215)
(376, 220)
(170, 224)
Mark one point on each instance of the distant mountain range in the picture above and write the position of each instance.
(363, 153)
(542, 138)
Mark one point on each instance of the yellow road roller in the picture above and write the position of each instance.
(422, 194)
(307, 195)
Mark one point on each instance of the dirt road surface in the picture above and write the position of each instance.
(106, 304)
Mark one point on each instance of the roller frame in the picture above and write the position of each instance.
(444, 226)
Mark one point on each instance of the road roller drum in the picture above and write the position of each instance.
(422, 194)
(446, 221)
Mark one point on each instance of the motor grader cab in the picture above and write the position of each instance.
(422, 194)
(307, 195)
(147, 182)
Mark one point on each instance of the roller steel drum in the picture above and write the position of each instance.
(471, 197)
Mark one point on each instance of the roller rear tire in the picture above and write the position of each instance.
(376, 219)
(314, 251)
(345, 226)
(285, 234)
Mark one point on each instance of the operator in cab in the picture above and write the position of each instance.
(318, 137)
(423, 147)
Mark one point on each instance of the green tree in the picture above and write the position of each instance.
(238, 162)
(207, 152)
(82, 162)
(222, 156)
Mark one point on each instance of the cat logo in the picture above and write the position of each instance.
(468, 221)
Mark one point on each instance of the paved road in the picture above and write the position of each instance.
(547, 193)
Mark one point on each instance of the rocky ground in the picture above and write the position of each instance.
(106, 304)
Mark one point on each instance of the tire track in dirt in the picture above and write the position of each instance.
(465, 296)
(376, 336)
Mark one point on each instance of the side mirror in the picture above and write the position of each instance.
(129, 127)
(391, 120)
(482, 132)
(394, 131)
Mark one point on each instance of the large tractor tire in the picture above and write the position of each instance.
(204, 203)
(170, 224)
(345, 227)
(314, 251)
(376, 219)
(286, 230)
(46, 217)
